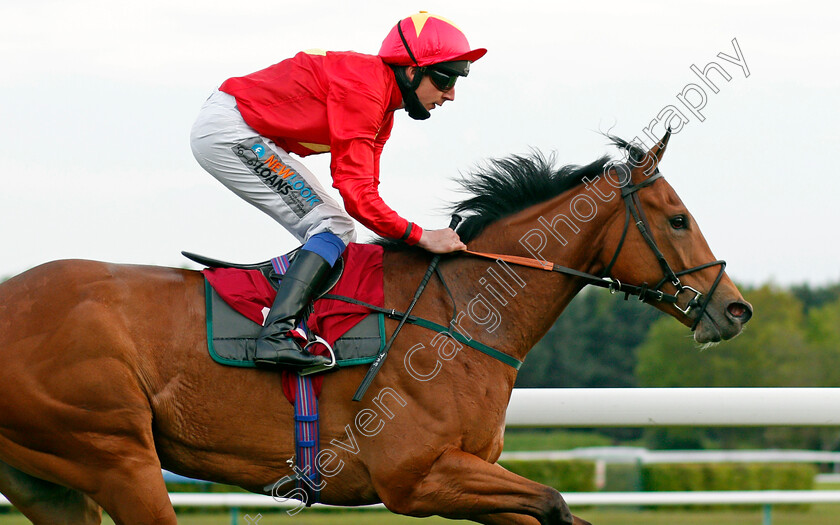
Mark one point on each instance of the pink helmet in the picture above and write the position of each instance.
(425, 39)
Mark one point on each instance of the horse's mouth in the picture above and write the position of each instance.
(708, 333)
(716, 327)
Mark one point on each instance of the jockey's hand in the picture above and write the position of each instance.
(441, 241)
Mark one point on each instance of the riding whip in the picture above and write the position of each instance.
(380, 359)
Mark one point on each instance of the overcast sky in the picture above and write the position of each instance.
(97, 99)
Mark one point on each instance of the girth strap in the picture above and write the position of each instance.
(307, 440)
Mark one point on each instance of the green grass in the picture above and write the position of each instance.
(818, 515)
(822, 515)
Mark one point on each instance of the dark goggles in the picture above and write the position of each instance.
(442, 81)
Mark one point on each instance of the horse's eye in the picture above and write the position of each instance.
(679, 222)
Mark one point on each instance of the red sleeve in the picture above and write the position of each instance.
(359, 128)
(379, 145)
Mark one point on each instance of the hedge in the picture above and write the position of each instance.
(717, 476)
(565, 476)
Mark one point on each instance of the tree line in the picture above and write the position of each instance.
(793, 340)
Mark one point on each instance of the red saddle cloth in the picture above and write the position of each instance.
(249, 293)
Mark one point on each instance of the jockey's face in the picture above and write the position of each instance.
(428, 94)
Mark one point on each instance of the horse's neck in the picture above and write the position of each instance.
(562, 231)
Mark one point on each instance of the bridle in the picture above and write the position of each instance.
(633, 208)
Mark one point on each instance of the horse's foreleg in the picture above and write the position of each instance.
(136, 494)
(515, 519)
(460, 485)
(504, 519)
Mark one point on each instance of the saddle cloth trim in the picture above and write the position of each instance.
(341, 363)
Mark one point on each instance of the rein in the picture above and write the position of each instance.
(613, 285)
(645, 292)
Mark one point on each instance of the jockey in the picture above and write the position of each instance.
(343, 103)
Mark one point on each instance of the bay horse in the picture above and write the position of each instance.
(105, 376)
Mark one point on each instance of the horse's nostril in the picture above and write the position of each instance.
(740, 311)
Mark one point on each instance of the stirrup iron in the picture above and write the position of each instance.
(318, 368)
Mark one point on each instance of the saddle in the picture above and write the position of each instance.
(238, 296)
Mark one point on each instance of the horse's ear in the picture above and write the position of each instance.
(655, 154)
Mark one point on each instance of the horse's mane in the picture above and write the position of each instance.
(505, 186)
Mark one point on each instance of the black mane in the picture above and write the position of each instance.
(509, 185)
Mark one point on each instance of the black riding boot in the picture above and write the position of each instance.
(275, 347)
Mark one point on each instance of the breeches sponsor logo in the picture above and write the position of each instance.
(283, 180)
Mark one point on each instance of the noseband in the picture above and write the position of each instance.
(646, 293)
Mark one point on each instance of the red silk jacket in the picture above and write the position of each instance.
(341, 102)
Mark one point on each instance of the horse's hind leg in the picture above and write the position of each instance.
(115, 465)
(46, 503)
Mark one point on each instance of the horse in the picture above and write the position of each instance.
(106, 378)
